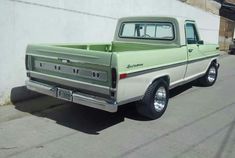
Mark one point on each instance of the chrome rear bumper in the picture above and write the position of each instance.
(77, 97)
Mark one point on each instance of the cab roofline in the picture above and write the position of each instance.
(178, 18)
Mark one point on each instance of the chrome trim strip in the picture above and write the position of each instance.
(132, 74)
(71, 83)
(95, 102)
(77, 97)
(41, 88)
(185, 81)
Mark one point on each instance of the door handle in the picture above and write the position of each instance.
(190, 50)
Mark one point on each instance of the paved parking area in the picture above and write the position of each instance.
(199, 122)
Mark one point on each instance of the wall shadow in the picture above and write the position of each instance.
(78, 117)
(21, 93)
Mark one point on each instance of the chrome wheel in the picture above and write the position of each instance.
(160, 99)
(211, 74)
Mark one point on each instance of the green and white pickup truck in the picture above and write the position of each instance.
(148, 56)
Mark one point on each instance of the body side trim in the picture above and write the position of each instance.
(132, 74)
(186, 81)
(204, 58)
(130, 100)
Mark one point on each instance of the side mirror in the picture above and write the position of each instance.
(200, 42)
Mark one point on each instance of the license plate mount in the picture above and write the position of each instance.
(65, 94)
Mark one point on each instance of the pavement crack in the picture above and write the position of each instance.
(41, 145)
(7, 148)
(174, 130)
(218, 155)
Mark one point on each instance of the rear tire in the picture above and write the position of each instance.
(155, 100)
(210, 77)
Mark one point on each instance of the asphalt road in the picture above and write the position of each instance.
(199, 122)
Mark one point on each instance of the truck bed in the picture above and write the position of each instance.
(118, 46)
(88, 64)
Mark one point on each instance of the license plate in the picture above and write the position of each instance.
(64, 94)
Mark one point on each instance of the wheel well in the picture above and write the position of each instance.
(165, 78)
(214, 61)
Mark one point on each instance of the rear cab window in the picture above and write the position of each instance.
(147, 30)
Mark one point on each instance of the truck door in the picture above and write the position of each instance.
(194, 67)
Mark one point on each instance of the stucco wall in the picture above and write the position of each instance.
(226, 33)
(56, 21)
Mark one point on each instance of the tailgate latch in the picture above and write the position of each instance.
(64, 60)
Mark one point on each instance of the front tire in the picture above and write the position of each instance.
(210, 77)
(155, 101)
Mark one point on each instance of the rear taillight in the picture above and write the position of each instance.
(114, 78)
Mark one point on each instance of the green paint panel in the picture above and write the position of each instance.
(201, 51)
(93, 60)
(149, 59)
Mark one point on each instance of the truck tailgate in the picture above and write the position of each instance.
(74, 68)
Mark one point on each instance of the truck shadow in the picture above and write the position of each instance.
(78, 117)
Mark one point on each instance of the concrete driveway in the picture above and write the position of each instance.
(199, 122)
